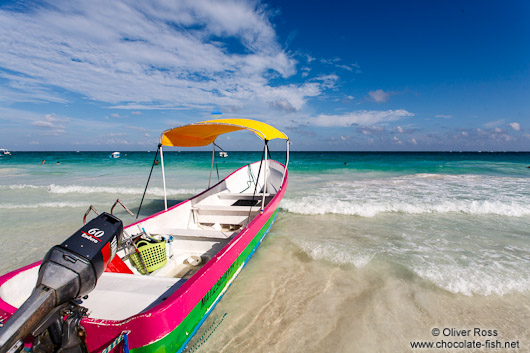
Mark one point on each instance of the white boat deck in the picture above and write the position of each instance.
(118, 295)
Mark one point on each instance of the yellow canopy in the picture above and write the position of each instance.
(205, 132)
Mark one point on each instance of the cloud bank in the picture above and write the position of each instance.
(147, 54)
(361, 117)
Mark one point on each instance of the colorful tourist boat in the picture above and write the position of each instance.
(170, 269)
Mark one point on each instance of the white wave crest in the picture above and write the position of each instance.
(473, 276)
(473, 280)
(319, 206)
(80, 189)
(44, 205)
(67, 189)
(415, 194)
(21, 186)
(327, 252)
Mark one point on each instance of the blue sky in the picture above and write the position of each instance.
(352, 76)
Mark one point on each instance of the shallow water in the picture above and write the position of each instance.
(370, 251)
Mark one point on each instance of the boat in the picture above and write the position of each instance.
(4, 152)
(115, 155)
(169, 271)
(223, 154)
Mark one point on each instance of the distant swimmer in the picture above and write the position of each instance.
(43, 162)
(156, 163)
(58, 162)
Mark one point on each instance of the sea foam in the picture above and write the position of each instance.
(44, 205)
(155, 191)
(417, 194)
(79, 189)
(478, 276)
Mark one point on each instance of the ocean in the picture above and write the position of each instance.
(370, 252)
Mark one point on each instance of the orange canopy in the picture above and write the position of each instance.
(205, 132)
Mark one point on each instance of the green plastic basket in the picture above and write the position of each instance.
(153, 256)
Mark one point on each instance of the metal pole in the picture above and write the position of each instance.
(163, 177)
(286, 164)
(265, 175)
(211, 168)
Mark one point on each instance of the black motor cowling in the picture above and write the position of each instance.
(68, 271)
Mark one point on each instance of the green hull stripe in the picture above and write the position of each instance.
(173, 341)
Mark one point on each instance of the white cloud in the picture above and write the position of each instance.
(379, 96)
(395, 138)
(282, 104)
(399, 129)
(51, 124)
(515, 126)
(328, 81)
(148, 54)
(361, 117)
(493, 124)
(413, 141)
(443, 116)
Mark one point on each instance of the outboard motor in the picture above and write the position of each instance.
(68, 272)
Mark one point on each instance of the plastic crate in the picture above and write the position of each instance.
(153, 255)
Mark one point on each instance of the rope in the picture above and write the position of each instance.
(146, 185)
(250, 178)
(217, 168)
(121, 337)
(218, 147)
(206, 335)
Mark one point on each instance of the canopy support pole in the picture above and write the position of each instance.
(159, 147)
(163, 177)
(211, 168)
(265, 176)
(286, 163)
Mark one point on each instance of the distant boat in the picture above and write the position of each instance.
(4, 152)
(115, 155)
(223, 154)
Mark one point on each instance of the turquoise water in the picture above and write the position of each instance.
(364, 242)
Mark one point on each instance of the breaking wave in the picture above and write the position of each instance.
(416, 194)
(155, 191)
(478, 276)
(323, 251)
(78, 189)
(472, 280)
(323, 205)
(45, 205)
